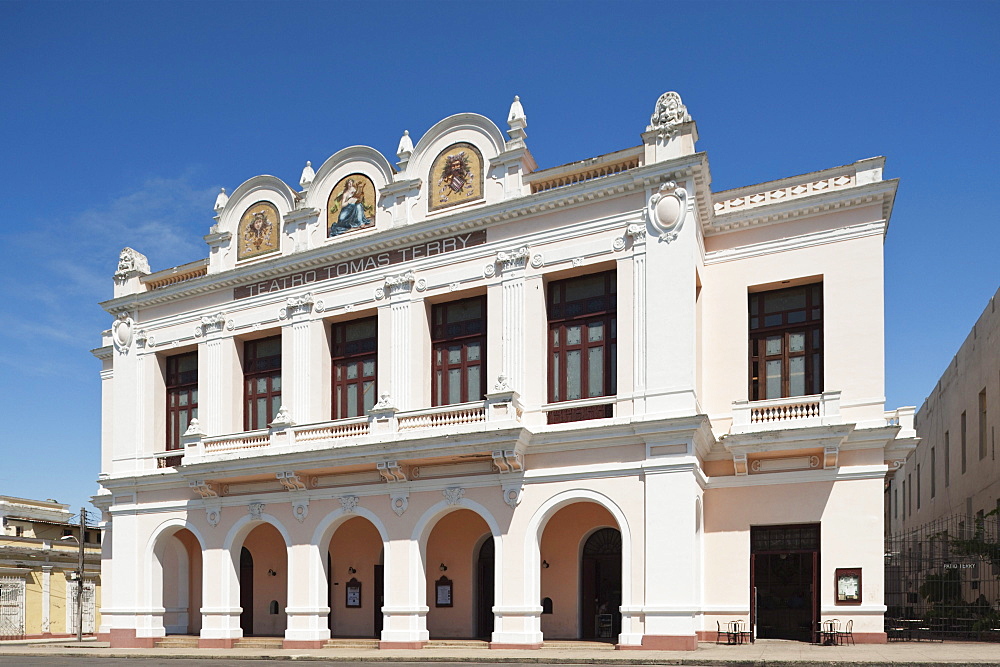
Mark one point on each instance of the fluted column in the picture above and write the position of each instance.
(295, 357)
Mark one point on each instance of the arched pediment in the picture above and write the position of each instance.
(258, 188)
(346, 191)
(468, 127)
(253, 218)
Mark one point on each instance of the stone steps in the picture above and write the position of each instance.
(258, 642)
(346, 642)
(457, 643)
(178, 641)
(579, 644)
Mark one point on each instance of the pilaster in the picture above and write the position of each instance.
(307, 608)
(405, 610)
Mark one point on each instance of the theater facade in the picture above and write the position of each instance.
(464, 397)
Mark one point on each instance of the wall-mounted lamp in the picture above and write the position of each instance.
(545, 564)
(272, 573)
(351, 570)
(443, 567)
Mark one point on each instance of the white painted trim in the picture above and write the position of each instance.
(797, 242)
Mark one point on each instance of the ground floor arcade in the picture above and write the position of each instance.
(650, 560)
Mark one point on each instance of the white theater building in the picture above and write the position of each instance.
(463, 397)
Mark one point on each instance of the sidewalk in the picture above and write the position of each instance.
(764, 652)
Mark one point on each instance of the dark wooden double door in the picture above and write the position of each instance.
(784, 581)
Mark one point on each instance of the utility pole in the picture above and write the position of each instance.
(79, 578)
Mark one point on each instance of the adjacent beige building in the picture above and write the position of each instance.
(954, 469)
(39, 557)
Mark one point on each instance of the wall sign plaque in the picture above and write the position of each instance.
(443, 590)
(848, 585)
(353, 593)
(349, 267)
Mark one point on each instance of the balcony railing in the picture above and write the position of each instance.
(498, 407)
(781, 413)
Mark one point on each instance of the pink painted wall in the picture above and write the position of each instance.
(453, 541)
(267, 547)
(355, 544)
(562, 543)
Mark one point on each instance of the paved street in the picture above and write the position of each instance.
(764, 652)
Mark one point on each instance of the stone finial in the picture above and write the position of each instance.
(221, 200)
(307, 176)
(669, 112)
(405, 149)
(283, 418)
(517, 121)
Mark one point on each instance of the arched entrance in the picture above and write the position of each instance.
(177, 556)
(581, 573)
(601, 585)
(263, 579)
(455, 588)
(354, 573)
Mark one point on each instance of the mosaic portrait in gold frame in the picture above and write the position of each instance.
(351, 205)
(456, 176)
(257, 233)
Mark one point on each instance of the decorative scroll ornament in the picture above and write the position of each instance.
(512, 494)
(129, 261)
(349, 503)
(668, 114)
(121, 333)
(391, 471)
(399, 284)
(299, 305)
(508, 260)
(213, 515)
(454, 494)
(399, 502)
(507, 461)
(635, 232)
(256, 511)
(667, 210)
(203, 489)
(291, 481)
(502, 384)
(537, 261)
(212, 323)
(141, 338)
(300, 509)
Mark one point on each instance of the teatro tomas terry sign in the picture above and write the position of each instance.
(358, 264)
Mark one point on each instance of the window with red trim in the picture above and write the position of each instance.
(261, 382)
(354, 366)
(458, 346)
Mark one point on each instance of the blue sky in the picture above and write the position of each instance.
(119, 121)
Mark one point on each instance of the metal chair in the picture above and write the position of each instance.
(720, 632)
(843, 636)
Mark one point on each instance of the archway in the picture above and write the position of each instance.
(581, 573)
(452, 563)
(177, 580)
(263, 577)
(354, 575)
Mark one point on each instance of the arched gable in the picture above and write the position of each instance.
(268, 196)
(472, 134)
(345, 174)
